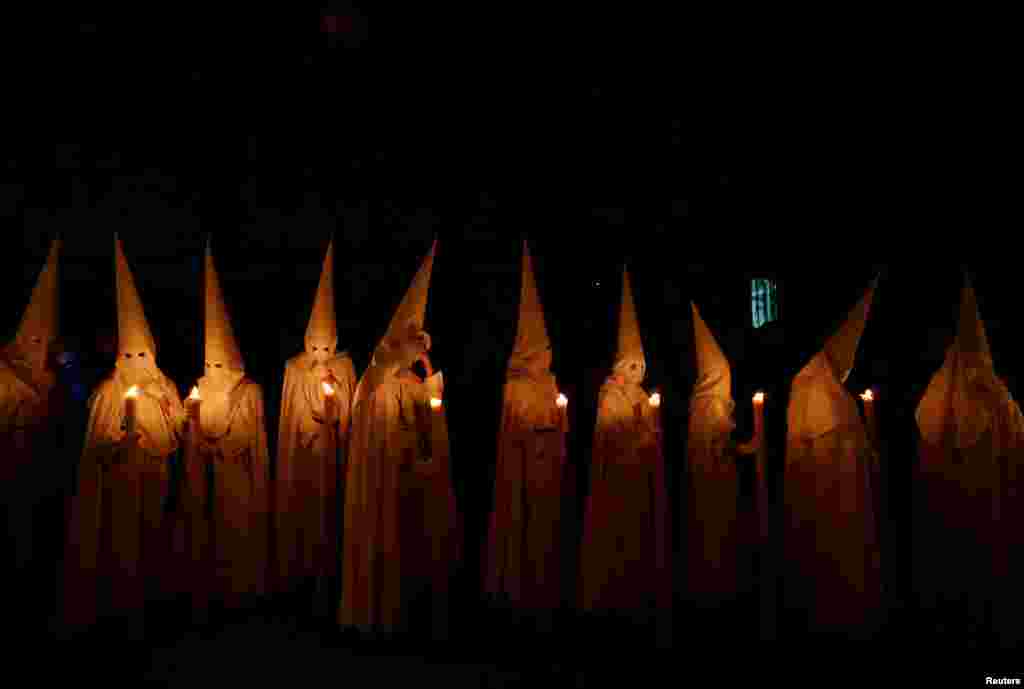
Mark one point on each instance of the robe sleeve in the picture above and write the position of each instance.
(163, 430)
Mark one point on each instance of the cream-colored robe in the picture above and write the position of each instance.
(117, 546)
(716, 528)
(311, 461)
(969, 516)
(28, 405)
(401, 531)
(225, 502)
(831, 542)
(627, 546)
(525, 558)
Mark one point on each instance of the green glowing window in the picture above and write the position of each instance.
(764, 302)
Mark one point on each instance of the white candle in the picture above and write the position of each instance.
(438, 435)
(562, 401)
(130, 402)
(758, 417)
(868, 397)
(193, 404)
(329, 400)
(655, 400)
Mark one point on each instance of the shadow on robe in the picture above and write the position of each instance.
(626, 549)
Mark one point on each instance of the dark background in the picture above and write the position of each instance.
(698, 170)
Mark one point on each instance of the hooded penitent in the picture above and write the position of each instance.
(311, 447)
(401, 536)
(117, 545)
(626, 551)
(29, 409)
(224, 507)
(968, 517)
(524, 551)
(714, 532)
(831, 539)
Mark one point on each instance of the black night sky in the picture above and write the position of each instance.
(271, 134)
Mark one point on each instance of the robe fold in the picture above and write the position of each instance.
(30, 466)
(968, 543)
(525, 558)
(311, 463)
(401, 533)
(831, 542)
(720, 531)
(118, 546)
(626, 549)
(225, 516)
(431, 533)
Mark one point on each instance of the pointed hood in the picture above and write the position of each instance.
(630, 346)
(965, 395)
(971, 340)
(531, 333)
(323, 323)
(133, 334)
(405, 339)
(841, 348)
(41, 316)
(714, 377)
(410, 316)
(220, 343)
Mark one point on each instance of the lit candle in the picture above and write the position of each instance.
(130, 400)
(438, 429)
(329, 400)
(758, 417)
(192, 403)
(561, 418)
(868, 397)
(655, 400)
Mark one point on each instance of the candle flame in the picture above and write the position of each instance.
(195, 393)
(655, 400)
(867, 395)
(435, 403)
(328, 389)
(133, 392)
(758, 397)
(562, 400)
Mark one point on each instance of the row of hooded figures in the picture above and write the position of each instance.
(362, 491)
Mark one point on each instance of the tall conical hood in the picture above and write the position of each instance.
(221, 345)
(965, 396)
(531, 334)
(133, 334)
(971, 339)
(323, 323)
(713, 373)
(411, 313)
(630, 345)
(841, 348)
(41, 316)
